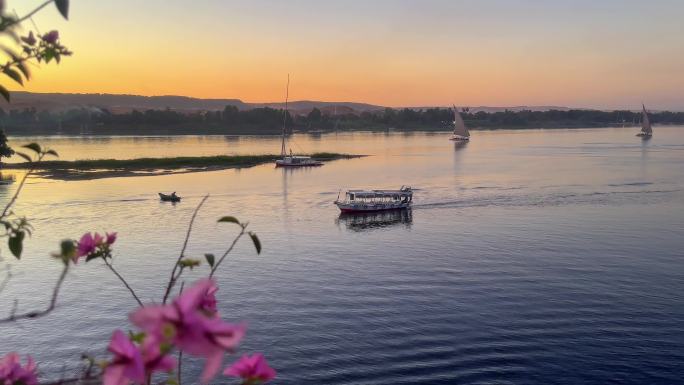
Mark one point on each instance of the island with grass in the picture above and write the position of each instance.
(107, 168)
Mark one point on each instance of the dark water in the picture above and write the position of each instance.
(530, 257)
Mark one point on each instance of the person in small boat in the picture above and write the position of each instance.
(173, 195)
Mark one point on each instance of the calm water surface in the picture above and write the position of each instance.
(530, 257)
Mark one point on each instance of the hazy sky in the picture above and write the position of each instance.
(586, 53)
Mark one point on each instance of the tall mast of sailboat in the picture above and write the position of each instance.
(287, 96)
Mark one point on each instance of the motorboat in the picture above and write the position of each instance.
(363, 201)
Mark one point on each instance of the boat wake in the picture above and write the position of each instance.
(558, 199)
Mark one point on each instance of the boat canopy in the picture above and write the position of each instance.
(361, 194)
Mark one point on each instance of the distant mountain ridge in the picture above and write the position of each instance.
(121, 103)
(127, 103)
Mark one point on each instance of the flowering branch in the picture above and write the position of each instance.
(175, 274)
(46, 48)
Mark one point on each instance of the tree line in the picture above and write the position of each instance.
(267, 120)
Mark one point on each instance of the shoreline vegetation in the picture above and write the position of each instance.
(269, 121)
(87, 169)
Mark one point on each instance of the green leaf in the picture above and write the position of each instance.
(5, 94)
(63, 8)
(189, 262)
(35, 147)
(256, 241)
(68, 248)
(229, 219)
(52, 152)
(16, 76)
(16, 244)
(210, 259)
(136, 337)
(21, 154)
(93, 256)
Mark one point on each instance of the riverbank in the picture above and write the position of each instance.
(109, 168)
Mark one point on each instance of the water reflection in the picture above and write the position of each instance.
(377, 220)
(7, 179)
(460, 145)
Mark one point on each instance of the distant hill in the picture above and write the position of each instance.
(127, 103)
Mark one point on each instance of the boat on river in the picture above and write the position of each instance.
(646, 129)
(365, 201)
(169, 197)
(461, 132)
(292, 160)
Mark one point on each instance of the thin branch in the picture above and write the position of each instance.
(36, 314)
(21, 186)
(18, 60)
(5, 281)
(28, 15)
(180, 352)
(174, 277)
(121, 278)
(243, 228)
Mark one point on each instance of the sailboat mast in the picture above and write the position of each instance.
(287, 96)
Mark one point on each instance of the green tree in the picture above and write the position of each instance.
(315, 115)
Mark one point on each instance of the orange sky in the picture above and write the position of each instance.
(389, 52)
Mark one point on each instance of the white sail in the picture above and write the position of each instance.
(460, 128)
(645, 122)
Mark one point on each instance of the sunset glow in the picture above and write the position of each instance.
(605, 54)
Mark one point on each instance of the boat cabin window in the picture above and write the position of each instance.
(351, 197)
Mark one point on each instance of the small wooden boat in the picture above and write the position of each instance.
(169, 197)
(364, 201)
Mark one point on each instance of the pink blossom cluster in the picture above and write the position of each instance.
(12, 372)
(191, 324)
(90, 244)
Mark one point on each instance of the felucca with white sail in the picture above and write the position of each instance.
(461, 132)
(646, 129)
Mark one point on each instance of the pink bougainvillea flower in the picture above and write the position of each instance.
(51, 37)
(208, 304)
(98, 239)
(187, 326)
(111, 238)
(127, 365)
(155, 360)
(30, 39)
(86, 245)
(253, 369)
(11, 371)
